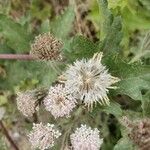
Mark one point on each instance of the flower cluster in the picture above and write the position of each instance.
(43, 136)
(26, 103)
(59, 101)
(86, 80)
(85, 138)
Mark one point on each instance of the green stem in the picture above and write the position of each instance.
(4, 129)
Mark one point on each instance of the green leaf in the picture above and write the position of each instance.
(106, 18)
(114, 108)
(45, 27)
(80, 47)
(17, 71)
(135, 82)
(110, 29)
(93, 15)
(134, 78)
(146, 104)
(3, 100)
(62, 25)
(146, 3)
(117, 3)
(17, 36)
(143, 51)
(40, 9)
(124, 144)
(3, 145)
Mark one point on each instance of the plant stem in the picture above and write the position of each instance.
(17, 56)
(8, 136)
(35, 117)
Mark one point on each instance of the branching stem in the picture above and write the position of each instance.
(17, 56)
(4, 129)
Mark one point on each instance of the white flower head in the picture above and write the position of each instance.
(26, 103)
(59, 101)
(43, 136)
(85, 138)
(89, 80)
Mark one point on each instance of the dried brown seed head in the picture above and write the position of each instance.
(139, 132)
(46, 47)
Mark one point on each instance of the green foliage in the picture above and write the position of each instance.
(80, 47)
(146, 3)
(19, 71)
(117, 3)
(40, 9)
(134, 17)
(16, 35)
(45, 26)
(143, 51)
(124, 144)
(134, 78)
(114, 108)
(3, 100)
(62, 25)
(146, 104)
(111, 29)
(2, 143)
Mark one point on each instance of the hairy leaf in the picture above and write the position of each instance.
(114, 108)
(110, 29)
(44, 72)
(80, 47)
(134, 78)
(146, 104)
(17, 36)
(124, 144)
(62, 25)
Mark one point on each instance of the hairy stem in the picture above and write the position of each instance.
(17, 56)
(4, 129)
(35, 118)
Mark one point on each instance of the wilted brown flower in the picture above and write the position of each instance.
(139, 132)
(46, 47)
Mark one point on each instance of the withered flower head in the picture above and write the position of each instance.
(46, 47)
(139, 132)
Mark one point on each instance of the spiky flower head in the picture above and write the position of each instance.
(59, 101)
(89, 80)
(46, 47)
(28, 101)
(85, 138)
(43, 136)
